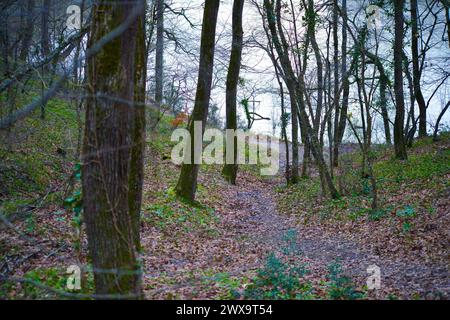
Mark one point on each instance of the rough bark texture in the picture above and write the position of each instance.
(399, 137)
(230, 170)
(416, 71)
(107, 152)
(187, 182)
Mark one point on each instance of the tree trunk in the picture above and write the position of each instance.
(399, 137)
(311, 20)
(384, 110)
(159, 59)
(230, 169)
(45, 37)
(108, 148)
(187, 182)
(436, 127)
(336, 83)
(284, 131)
(28, 31)
(339, 132)
(138, 133)
(296, 88)
(416, 71)
(294, 127)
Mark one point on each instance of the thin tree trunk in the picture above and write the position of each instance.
(187, 182)
(384, 110)
(339, 132)
(28, 31)
(159, 59)
(293, 86)
(399, 137)
(45, 37)
(138, 133)
(336, 82)
(230, 170)
(416, 71)
(311, 19)
(436, 127)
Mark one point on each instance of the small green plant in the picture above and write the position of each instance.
(54, 280)
(75, 201)
(406, 215)
(229, 284)
(340, 286)
(169, 211)
(376, 215)
(406, 227)
(406, 212)
(279, 280)
(290, 240)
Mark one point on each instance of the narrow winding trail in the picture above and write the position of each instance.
(319, 249)
(249, 228)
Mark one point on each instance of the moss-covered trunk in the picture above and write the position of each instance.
(187, 182)
(107, 149)
(230, 169)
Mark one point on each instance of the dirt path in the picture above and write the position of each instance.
(186, 265)
(320, 249)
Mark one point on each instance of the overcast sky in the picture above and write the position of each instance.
(259, 71)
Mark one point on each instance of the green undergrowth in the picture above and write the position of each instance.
(283, 277)
(35, 154)
(426, 169)
(48, 283)
(168, 211)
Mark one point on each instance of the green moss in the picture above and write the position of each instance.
(417, 167)
(55, 279)
(168, 211)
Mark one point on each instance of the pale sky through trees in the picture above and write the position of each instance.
(258, 70)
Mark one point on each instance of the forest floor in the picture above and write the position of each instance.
(258, 239)
(262, 216)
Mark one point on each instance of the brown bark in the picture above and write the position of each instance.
(107, 151)
(342, 113)
(293, 85)
(335, 83)
(159, 58)
(416, 71)
(399, 137)
(138, 133)
(28, 31)
(230, 170)
(187, 182)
